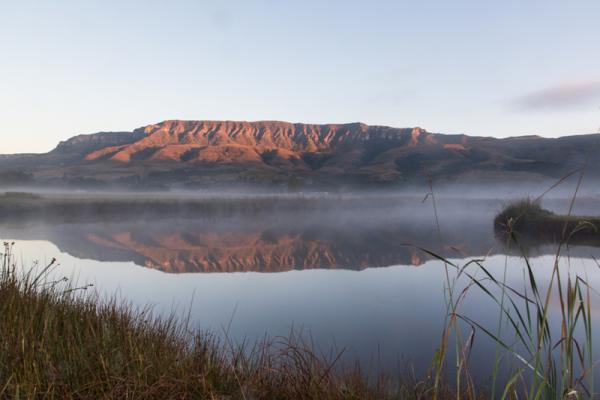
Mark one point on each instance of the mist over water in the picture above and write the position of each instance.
(347, 270)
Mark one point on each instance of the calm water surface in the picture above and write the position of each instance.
(352, 279)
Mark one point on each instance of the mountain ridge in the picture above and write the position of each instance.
(198, 153)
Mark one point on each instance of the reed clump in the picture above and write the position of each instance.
(530, 220)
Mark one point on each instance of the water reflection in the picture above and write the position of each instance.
(355, 239)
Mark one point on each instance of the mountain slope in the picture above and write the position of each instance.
(201, 153)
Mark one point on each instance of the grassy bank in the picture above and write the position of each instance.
(64, 343)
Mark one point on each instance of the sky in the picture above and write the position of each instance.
(487, 68)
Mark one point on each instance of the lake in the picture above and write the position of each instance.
(353, 276)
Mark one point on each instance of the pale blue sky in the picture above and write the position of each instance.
(498, 68)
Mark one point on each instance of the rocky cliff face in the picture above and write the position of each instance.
(201, 153)
(197, 141)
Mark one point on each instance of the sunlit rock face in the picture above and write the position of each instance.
(231, 141)
(204, 153)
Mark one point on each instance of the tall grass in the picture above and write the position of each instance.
(545, 333)
(547, 364)
(62, 342)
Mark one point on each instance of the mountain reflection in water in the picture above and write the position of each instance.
(345, 239)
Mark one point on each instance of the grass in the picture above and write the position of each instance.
(60, 342)
(543, 333)
(544, 362)
(549, 363)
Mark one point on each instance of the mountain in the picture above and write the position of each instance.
(281, 154)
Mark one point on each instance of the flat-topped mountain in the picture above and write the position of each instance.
(271, 153)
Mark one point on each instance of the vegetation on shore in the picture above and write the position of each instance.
(60, 342)
(530, 221)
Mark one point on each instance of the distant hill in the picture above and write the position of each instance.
(281, 154)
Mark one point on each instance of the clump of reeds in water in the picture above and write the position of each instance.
(528, 219)
(62, 342)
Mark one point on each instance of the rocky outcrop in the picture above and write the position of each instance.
(81, 145)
